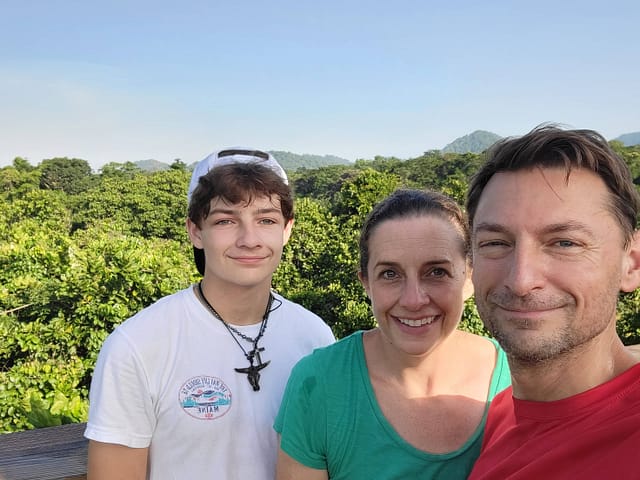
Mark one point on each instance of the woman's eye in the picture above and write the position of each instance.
(438, 272)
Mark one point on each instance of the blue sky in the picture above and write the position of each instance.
(118, 81)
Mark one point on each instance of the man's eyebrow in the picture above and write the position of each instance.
(571, 226)
(489, 227)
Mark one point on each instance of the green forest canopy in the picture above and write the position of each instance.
(80, 252)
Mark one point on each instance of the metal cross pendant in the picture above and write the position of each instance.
(253, 371)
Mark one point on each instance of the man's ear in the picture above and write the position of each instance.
(195, 234)
(286, 234)
(631, 265)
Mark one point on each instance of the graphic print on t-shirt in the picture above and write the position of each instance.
(205, 398)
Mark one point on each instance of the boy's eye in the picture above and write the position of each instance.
(222, 221)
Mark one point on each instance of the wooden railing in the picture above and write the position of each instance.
(54, 453)
(58, 453)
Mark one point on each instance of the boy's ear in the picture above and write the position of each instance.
(194, 233)
(286, 233)
(631, 265)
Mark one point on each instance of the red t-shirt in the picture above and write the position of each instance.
(592, 435)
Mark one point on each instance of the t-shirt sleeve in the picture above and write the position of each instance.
(501, 377)
(302, 418)
(120, 403)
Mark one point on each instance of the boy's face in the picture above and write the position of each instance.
(243, 242)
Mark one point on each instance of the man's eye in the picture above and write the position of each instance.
(565, 243)
(491, 243)
(388, 274)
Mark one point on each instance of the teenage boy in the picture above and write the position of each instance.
(190, 386)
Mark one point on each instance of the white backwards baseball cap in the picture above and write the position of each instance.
(234, 155)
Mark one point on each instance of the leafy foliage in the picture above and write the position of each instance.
(71, 175)
(629, 318)
(81, 252)
(141, 204)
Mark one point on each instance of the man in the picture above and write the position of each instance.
(189, 387)
(553, 216)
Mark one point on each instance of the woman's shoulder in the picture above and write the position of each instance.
(477, 343)
(480, 351)
(487, 354)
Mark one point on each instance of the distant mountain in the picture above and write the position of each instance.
(151, 165)
(294, 161)
(289, 161)
(474, 142)
(629, 139)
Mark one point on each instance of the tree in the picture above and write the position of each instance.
(75, 265)
(319, 269)
(321, 183)
(145, 204)
(178, 165)
(17, 180)
(22, 165)
(124, 171)
(358, 196)
(71, 175)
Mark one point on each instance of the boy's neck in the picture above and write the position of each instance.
(236, 305)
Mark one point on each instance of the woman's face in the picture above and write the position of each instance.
(417, 281)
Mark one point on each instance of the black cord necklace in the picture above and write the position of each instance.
(252, 371)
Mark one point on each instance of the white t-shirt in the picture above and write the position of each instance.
(165, 379)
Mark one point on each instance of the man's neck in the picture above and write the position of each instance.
(585, 367)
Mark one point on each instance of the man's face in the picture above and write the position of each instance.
(549, 261)
(243, 242)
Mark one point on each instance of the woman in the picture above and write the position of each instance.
(408, 399)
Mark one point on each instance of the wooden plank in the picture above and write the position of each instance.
(54, 453)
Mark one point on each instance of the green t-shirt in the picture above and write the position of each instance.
(330, 420)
